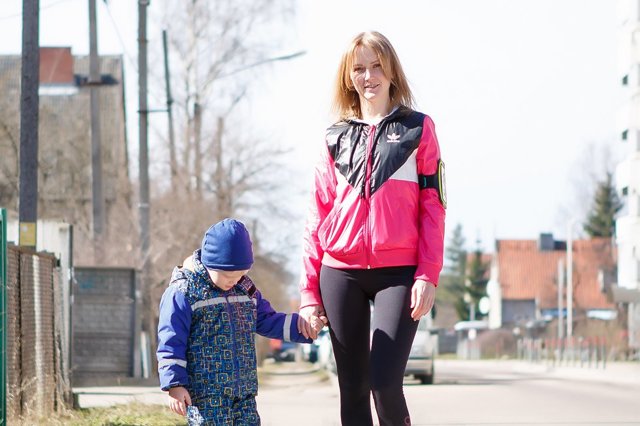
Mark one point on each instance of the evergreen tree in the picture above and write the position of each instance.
(456, 255)
(601, 219)
(477, 279)
(452, 288)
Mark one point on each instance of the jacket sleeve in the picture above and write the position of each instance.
(277, 325)
(173, 333)
(431, 213)
(324, 194)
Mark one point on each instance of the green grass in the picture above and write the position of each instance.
(134, 414)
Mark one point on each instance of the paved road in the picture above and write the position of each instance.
(483, 393)
(465, 393)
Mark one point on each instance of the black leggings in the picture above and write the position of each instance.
(376, 366)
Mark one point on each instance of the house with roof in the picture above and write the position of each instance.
(525, 277)
(64, 143)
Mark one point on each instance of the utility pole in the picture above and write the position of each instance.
(29, 103)
(96, 146)
(172, 143)
(143, 163)
(560, 297)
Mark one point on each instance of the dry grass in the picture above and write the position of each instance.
(134, 414)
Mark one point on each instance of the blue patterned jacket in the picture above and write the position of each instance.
(206, 335)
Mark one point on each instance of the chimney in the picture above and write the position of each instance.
(56, 66)
(545, 242)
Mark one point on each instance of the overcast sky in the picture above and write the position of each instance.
(517, 88)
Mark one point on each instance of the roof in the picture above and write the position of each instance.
(525, 272)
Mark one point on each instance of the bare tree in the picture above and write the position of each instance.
(223, 169)
(591, 166)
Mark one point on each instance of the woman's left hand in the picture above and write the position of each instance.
(423, 295)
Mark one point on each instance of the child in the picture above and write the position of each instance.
(208, 317)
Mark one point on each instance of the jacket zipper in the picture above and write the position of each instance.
(367, 194)
(236, 365)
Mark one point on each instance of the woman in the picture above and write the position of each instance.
(375, 231)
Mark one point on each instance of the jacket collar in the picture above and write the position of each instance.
(396, 112)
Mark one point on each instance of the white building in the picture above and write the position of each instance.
(628, 171)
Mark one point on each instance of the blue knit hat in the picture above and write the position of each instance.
(227, 246)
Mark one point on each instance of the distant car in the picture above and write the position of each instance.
(311, 351)
(421, 363)
(282, 351)
(326, 359)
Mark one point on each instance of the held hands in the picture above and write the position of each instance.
(423, 295)
(179, 399)
(311, 319)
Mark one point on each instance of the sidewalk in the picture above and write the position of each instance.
(614, 372)
(270, 375)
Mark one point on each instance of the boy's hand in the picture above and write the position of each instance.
(311, 319)
(179, 398)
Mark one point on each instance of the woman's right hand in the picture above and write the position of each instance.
(311, 319)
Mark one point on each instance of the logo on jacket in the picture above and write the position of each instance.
(393, 138)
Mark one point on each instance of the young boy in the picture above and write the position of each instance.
(208, 317)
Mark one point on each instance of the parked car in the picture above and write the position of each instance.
(421, 364)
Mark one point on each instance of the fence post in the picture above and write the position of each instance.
(3, 317)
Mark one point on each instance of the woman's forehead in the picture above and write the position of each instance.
(364, 54)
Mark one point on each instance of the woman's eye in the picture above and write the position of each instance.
(376, 65)
(357, 70)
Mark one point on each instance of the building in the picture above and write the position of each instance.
(627, 175)
(523, 286)
(64, 142)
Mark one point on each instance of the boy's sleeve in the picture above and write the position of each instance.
(173, 333)
(277, 325)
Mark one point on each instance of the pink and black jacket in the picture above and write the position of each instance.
(378, 200)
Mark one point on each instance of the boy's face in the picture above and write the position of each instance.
(226, 279)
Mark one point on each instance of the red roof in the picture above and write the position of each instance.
(525, 272)
(56, 65)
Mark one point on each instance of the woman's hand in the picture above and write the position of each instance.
(179, 398)
(311, 319)
(423, 296)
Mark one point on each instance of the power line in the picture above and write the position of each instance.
(19, 14)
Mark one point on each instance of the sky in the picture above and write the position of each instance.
(519, 91)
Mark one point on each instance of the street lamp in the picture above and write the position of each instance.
(265, 61)
(570, 225)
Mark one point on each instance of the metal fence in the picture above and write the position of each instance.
(3, 317)
(590, 352)
(36, 382)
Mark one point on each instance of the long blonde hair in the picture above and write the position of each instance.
(346, 102)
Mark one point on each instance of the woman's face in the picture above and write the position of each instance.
(367, 76)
